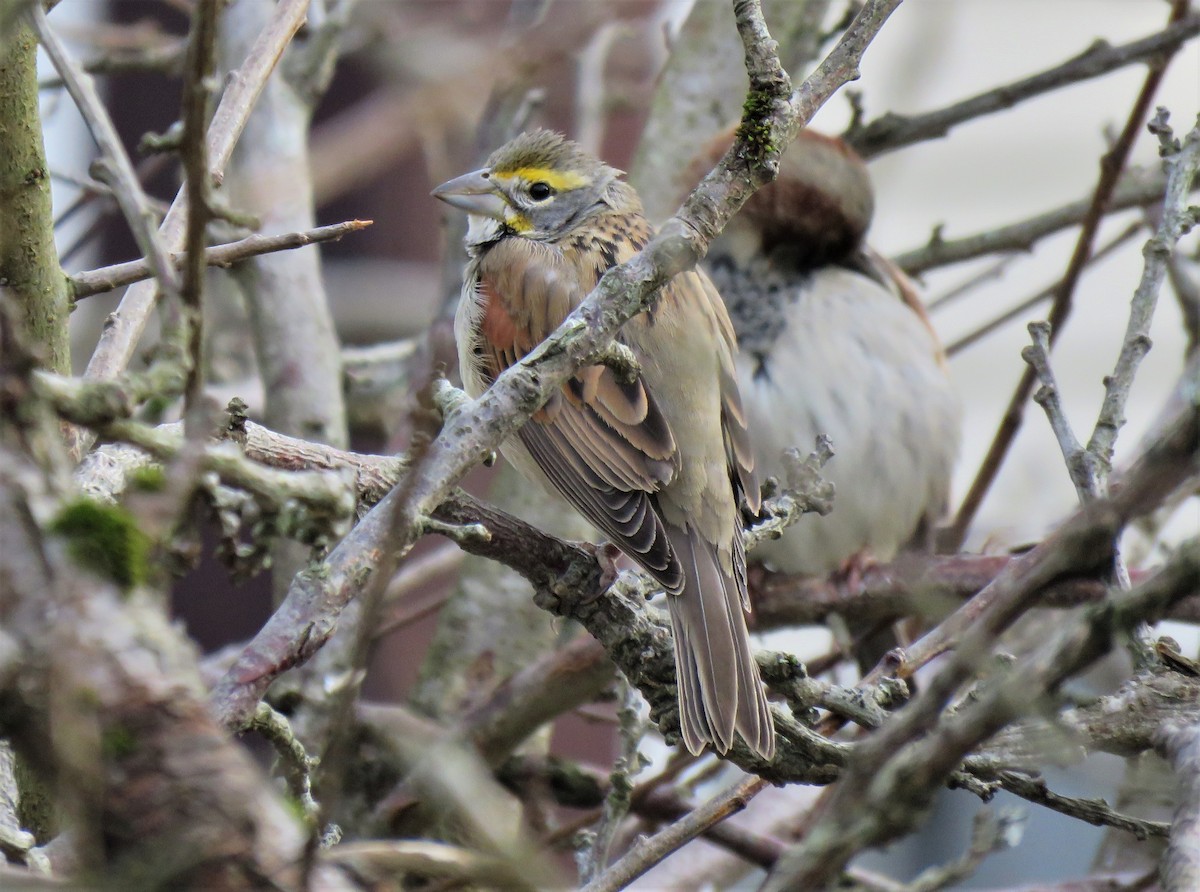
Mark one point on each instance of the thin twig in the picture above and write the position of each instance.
(1044, 295)
(1134, 190)
(648, 852)
(97, 281)
(120, 337)
(197, 95)
(298, 765)
(593, 857)
(1047, 396)
(993, 273)
(1177, 219)
(114, 163)
(1089, 467)
(1093, 811)
(891, 131)
(1111, 166)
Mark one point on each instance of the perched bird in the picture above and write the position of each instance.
(662, 465)
(833, 339)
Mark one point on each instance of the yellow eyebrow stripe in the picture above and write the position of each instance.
(558, 180)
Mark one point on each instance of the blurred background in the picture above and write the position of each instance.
(401, 113)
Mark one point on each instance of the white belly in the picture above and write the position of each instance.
(855, 364)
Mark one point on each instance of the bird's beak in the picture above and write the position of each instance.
(474, 193)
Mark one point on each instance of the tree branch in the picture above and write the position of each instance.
(1135, 189)
(647, 852)
(1111, 166)
(120, 337)
(895, 771)
(891, 132)
(1180, 744)
(28, 259)
(114, 167)
(1177, 219)
(108, 278)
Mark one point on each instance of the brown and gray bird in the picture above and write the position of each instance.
(834, 340)
(662, 465)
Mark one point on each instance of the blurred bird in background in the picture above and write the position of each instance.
(833, 340)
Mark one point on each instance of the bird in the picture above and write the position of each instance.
(660, 462)
(834, 340)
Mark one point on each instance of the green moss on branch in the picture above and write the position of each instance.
(105, 539)
(29, 269)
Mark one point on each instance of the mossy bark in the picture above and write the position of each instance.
(29, 269)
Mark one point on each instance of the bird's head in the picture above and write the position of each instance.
(816, 211)
(540, 186)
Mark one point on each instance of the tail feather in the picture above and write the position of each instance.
(720, 691)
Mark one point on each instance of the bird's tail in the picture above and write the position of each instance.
(720, 690)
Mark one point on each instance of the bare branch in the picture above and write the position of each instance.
(895, 771)
(1135, 189)
(1047, 396)
(98, 281)
(647, 852)
(891, 131)
(114, 165)
(298, 765)
(1160, 470)
(119, 339)
(911, 585)
(1180, 744)
(1177, 219)
(1111, 166)
(197, 87)
(1094, 811)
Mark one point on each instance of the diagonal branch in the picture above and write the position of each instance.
(114, 164)
(891, 131)
(120, 337)
(1111, 166)
(895, 772)
(647, 852)
(1177, 220)
(1134, 189)
(109, 278)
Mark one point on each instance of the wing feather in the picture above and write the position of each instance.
(738, 448)
(603, 443)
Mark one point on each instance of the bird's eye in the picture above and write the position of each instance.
(540, 191)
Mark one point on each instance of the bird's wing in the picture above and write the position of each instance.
(602, 442)
(734, 422)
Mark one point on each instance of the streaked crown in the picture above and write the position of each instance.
(552, 184)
